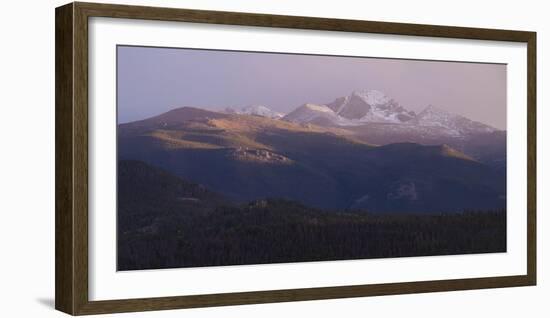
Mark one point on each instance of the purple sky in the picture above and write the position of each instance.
(154, 80)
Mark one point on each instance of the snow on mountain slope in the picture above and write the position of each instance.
(316, 114)
(356, 109)
(372, 97)
(256, 110)
(370, 106)
(374, 107)
(455, 124)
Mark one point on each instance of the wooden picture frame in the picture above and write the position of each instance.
(71, 90)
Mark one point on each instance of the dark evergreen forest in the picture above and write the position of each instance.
(166, 222)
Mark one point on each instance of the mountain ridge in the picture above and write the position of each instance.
(361, 107)
(246, 157)
(371, 106)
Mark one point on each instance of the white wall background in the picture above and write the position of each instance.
(27, 158)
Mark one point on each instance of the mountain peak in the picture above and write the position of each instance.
(312, 113)
(455, 124)
(434, 109)
(256, 110)
(371, 97)
(370, 106)
(182, 114)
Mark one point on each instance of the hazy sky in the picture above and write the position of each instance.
(154, 80)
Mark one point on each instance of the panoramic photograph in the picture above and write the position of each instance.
(241, 158)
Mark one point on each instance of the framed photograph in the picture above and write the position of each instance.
(211, 158)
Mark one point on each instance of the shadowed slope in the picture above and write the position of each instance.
(167, 222)
(249, 157)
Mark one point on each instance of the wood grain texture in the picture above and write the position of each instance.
(532, 158)
(297, 22)
(165, 303)
(72, 158)
(64, 235)
(80, 146)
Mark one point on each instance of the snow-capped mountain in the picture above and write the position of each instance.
(455, 124)
(374, 107)
(361, 107)
(315, 114)
(370, 106)
(257, 110)
(375, 114)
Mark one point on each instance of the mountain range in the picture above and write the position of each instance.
(362, 152)
(367, 107)
(378, 119)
